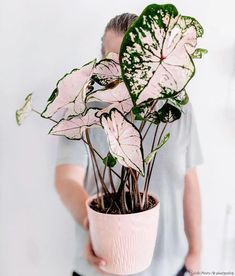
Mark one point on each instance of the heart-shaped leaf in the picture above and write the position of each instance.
(107, 70)
(73, 128)
(124, 140)
(23, 112)
(156, 52)
(70, 93)
(118, 97)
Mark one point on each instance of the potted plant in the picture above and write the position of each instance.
(143, 87)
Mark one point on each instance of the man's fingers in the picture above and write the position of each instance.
(101, 271)
(92, 258)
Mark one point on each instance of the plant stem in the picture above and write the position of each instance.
(121, 186)
(100, 156)
(111, 180)
(34, 110)
(148, 170)
(105, 189)
(100, 199)
(135, 179)
(131, 194)
(123, 202)
(146, 115)
(104, 171)
(152, 163)
(147, 130)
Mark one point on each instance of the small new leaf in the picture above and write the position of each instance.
(168, 113)
(150, 156)
(23, 112)
(109, 160)
(199, 53)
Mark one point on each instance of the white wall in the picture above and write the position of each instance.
(40, 41)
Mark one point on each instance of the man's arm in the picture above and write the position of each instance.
(69, 183)
(192, 219)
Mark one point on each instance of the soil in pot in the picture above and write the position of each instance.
(114, 204)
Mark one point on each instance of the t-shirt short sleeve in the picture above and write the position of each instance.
(194, 155)
(71, 152)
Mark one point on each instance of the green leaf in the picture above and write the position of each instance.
(110, 160)
(182, 98)
(199, 53)
(168, 113)
(150, 156)
(137, 111)
(192, 22)
(154, 118)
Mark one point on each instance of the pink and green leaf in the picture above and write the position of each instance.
(156, 52)
(124, 140)
(70, 93)
(73, 128)
(118, 97)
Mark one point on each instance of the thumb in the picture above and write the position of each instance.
(86, 223)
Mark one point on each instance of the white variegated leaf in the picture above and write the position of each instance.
(118, 97)
(73, 128)
(70, 93)
(156, 52)
(124, 140)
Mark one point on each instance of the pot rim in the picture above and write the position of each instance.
(90, 198)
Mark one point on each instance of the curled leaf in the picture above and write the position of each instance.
(23, 112)
(107, 70)
(73, 128)
(124, 140)
(70, 93)
(151, 155)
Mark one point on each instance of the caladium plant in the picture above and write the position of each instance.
(141, 88)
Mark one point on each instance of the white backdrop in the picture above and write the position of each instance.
(40, 41)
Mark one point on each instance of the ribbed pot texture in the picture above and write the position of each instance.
(127, 241)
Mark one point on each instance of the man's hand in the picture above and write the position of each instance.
(89, 253)
(193, 262)
(192, 220)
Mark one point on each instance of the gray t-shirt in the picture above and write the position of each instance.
(181, 152)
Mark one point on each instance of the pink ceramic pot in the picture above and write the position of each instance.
(125, 241)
